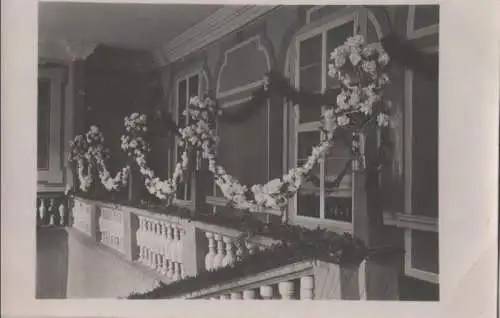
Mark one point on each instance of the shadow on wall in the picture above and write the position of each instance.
(70, 265)
(51, 263)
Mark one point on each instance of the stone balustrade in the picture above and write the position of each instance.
(83, 214)
(171, 248)
(225, 249)
(51, 209)
(111, 228)
(160, 246)
(292, 289)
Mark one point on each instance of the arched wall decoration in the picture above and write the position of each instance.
(222, 92)
(412, 32)
(54, 176)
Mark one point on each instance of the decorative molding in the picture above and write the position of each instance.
(412, 271)
(79, 51)
(412, 33)
(411, 221)
(271, 277)
(217, 25)
(64, 50)
(248, 86)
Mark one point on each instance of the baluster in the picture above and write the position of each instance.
(42, 210)
(236, 296)
(209, 259)
(52, 211)
(306, 287)
(170, 272)
(251, 247)
(220, 251)
(249, 294)
(230, 258)
(180, 235)
(52, 220)
(225, 297)
(286, 289)
(138, 236)
(266, 292)
(177, 272)
(240, 251)
(168, 243)
(62, 214)
(153, 244)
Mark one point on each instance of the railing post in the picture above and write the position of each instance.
(130, 226)
(200, 183)
(368, 222)
(93, 216)
(194, 250)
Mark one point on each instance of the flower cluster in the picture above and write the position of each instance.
(361, 71)
(88, 152)
(198, 135)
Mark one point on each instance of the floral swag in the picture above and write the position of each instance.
(360, 70)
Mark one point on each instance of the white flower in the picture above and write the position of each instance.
(383, 120)
(331, 70)
(133, 144)
(341, 100)
(339, 61)
(369, 67)
(355, 58)
(355, 40)
(273, 186)
(383, 59)
(195, 100)
(343, 120)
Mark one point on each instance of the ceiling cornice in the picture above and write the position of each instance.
(64, 50)
(222, 22)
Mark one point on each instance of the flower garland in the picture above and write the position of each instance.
(90, 149)
(360, 70)
(196, 136)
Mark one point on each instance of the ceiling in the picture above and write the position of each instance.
(124, 25)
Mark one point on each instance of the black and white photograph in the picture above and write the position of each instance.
(206, 151)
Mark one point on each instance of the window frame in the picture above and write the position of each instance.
(416, 222)
(175, 153)
(321, 26)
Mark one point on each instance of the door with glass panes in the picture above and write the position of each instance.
(187, 87)
(320, 202)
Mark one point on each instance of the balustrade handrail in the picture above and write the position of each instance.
(268, 277)
(203, 225)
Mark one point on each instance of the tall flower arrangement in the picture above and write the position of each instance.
(90, 149)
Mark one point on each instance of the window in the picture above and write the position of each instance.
(319, 199)
(421, 176)
(43, 124)
(187, 87)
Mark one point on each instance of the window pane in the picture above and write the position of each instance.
(425, 147)
(338, 209)
(306, 141)
(43, 124)
(308, 203)
(310, 78)
(310, 81)
(426, 15)
(425, 251)
(181, 95)
(310, 51)
(334, 38)
(338, 202)
(308, 197)
(193, 86)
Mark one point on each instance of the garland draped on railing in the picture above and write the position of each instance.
(359, 69)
